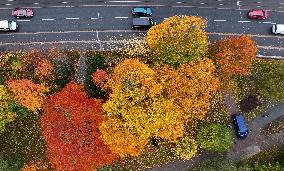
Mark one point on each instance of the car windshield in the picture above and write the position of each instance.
(9, 24)
(263, 13)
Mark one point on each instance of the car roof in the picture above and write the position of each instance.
(241, 122)
(257, 12)
(142, 9)
(141, 21)
(4, 23)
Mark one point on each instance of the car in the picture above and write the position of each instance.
(240, 126)
(143, 23)
(142, 12)
(278, 29)
(22, 13)
(258, 14)
(6, 25)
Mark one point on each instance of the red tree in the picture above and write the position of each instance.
(70, 127)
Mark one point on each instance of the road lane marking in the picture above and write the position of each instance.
(23, 20)
(36, 3)
(265, 22)
(244, 21)
(72, 18)
(47, 19)
(220, 20)
(269, 57)
(188, 6)
(124, 1)
(121, 17)
(31, 7)
(109, 5)
(68, 6)
(64, 2)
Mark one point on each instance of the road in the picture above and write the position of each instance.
(97, 24)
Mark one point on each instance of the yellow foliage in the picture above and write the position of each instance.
(178, 40)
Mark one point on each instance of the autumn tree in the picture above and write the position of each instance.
(137, 111)
(6, 115)
(234, 55)
(27, 93)
(215, 137)
(191, 86)
(70, 127)
(177, 40)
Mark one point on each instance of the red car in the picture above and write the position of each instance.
(22, 13)
(258, 14)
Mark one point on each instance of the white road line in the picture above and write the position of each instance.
(270, 57)
(68, 6)
(179, 2)
(31, 7)
(94, 18)
(36, 3)
(64, 2)
(47, 19)
(265, 22)
(220, 20)
(223, 8)
(23, 20)
(72, 18)
(124, 1)
(120, 17)
(8, 4)
(110, 5)
(244, 21)
(5, 8)
(202, 3)
(188, 6)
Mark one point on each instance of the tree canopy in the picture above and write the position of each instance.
(177, 40)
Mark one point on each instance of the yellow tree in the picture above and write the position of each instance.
(177, 40)
(136, 110)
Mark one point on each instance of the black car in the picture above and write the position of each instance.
(142, 12)
(143, 23)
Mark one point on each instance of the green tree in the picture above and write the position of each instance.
(177, 40)
(215, 137)
(186, 148)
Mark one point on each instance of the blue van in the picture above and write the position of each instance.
(240, 126)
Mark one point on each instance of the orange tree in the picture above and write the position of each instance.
(191, 86)
(136, 110)
(147, 102)
(178, 40)
(70, 127)
(27, 93)
(234, 55)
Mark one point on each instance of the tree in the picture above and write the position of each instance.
(215, 137)
(70, 127)
(268, 79)
(186, 148)
(191, 86)
(177, 40)
(137, 111)
(234, 55)
(6, 115)
(27, 93)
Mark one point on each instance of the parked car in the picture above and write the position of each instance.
(22, 13)
(142, 12)
(258, 14)
(6, 25)
(240, 126)
(143, 23)
(278, 29)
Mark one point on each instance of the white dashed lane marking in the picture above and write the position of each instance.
(47, 19)
(121, 17)
(23, 20)
(72, 18)
(244, 21)
(220, 20)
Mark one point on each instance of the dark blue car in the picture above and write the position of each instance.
(240, 126)
(142, 12)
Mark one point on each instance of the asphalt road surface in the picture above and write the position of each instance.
(98, 24)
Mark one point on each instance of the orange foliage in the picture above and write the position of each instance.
(43, 68)
(27, 93)
(100, 78)
(70, 127)
(234, 54)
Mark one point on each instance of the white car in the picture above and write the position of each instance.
(6, 25)
(278, 29)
